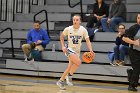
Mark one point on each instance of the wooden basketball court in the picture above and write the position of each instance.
(22, 84)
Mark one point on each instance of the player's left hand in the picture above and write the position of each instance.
(92, 52)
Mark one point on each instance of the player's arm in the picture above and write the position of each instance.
(62, 40)
(62, 36)
(87, 40)
(89, 44)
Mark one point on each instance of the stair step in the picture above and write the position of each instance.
(62, 25)
(58, 9)
(7, 53)
(2, 63)
(65, 2)
(51, 17)
(24, 25)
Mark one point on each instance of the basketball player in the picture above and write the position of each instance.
(75, 34)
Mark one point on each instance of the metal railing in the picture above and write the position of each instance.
(45, 20)
(7, 39)
(19, 6)
(3, 6)
(8, 8)
(79, 3)
(34, 2)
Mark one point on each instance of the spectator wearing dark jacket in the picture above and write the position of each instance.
(117, 14)
(121, 48)
(100, 10)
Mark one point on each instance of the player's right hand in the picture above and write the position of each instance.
(64, 49)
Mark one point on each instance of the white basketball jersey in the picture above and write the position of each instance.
(75, 37)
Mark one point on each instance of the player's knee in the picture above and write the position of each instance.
(78, 63)
(75, 59)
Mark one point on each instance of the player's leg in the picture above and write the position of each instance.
(75, 65)
(66, 71)
(60, 83)
(74, 58)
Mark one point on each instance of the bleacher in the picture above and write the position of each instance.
(54, 63)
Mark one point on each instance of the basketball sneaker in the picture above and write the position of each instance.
(61, 84)
(69, 80)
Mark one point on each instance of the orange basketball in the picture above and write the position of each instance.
(88, 57)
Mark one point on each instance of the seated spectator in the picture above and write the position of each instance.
(121, 48)
(100, 10)
(117, 14)
(37, 39)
